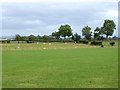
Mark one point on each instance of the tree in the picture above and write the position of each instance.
(31, 38)
(8, 41)
(17, 37)
(86, 31)
(46, 37)
(65, 30)
(76, 37)
(97, 33)
(24, 38)
(38, 37)
(108, 28)
(56, 35)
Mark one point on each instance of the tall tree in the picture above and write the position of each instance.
(108, 28)
(56, 35)
(86, 31)
(24, 38)
(65, 30)
(46, 37)
(17, 37)
(97, 33)
(38, 37)
(32, 38)
(76, 37)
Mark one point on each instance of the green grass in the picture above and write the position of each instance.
(67, 67)
(40, 46)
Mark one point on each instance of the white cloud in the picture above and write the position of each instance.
(112, 13)
(58, 1)
(38, 22)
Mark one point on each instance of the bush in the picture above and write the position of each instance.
(84, 42)
(28, 41)
(112, 43)
(8, 41)
(96, 43)
(3, 41)
(102, 46)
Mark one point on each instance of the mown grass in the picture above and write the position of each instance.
(49, 45)
(54, 67)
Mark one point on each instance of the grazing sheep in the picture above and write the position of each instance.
(44, 48)
(75, 47)
(49, 43)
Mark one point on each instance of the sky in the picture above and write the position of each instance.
(42, 17)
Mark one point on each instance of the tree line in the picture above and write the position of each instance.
(65, 33)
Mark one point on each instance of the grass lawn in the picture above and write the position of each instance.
(59, 65)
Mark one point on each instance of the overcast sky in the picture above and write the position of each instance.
(41, 17)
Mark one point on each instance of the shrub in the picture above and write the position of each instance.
(3, 41)
(8, 41)
(112, 43)
(28, 41)
(84, 42)
(96, 43)
(102, 46)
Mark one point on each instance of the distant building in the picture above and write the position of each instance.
(4, 39)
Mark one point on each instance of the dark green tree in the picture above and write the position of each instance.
(38, 37)
(108, 28)
(17, 37)
(24, 38)
(31, 38)
(56, 35)
(46, 38)
(76, 37)
(86, 32)
(65, 30)
(97, 33)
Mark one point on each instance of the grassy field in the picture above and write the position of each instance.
(59, 65)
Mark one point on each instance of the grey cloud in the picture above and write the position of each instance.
(45, 17)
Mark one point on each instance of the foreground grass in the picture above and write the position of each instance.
(60, 68)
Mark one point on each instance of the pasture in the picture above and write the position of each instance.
(59, 65)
